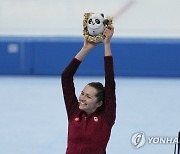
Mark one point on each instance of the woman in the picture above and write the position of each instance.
(90, 118)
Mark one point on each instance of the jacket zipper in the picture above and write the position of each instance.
(83, 130)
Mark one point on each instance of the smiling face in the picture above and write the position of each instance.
(88, 100)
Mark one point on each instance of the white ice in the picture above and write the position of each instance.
(33, 118)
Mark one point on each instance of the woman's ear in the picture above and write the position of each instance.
(99, 103)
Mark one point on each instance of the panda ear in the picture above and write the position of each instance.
(102, 15)
(106, 22)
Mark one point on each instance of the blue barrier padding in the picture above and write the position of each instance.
(50, 55)
(10, 60)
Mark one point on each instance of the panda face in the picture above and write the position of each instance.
(95, 24)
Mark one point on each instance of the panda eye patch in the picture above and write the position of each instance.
(97, 21)
(90, 21)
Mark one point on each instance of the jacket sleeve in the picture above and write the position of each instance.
(110, 97)
(71, 101)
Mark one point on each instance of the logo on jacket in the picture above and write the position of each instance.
(96, 119)
(76, 119)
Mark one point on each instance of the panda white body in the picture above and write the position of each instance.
(95, 24)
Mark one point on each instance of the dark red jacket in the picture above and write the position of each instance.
(89, 134)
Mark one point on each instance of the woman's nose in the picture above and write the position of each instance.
(83, 98)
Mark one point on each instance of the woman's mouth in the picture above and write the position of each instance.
(83, 103)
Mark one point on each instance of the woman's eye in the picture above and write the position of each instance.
(97, 21)
(88, 97)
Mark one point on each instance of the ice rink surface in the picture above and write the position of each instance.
(33, 117)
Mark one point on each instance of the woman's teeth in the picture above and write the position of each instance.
(83, 103)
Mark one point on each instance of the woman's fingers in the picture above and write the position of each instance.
(109, 30)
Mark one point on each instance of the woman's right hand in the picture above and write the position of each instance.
(89, 45)
(85, 49)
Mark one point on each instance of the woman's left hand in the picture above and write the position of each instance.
(108, 33)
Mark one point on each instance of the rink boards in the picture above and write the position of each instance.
(144, 57)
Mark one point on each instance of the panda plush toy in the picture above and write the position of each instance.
(94, 25)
